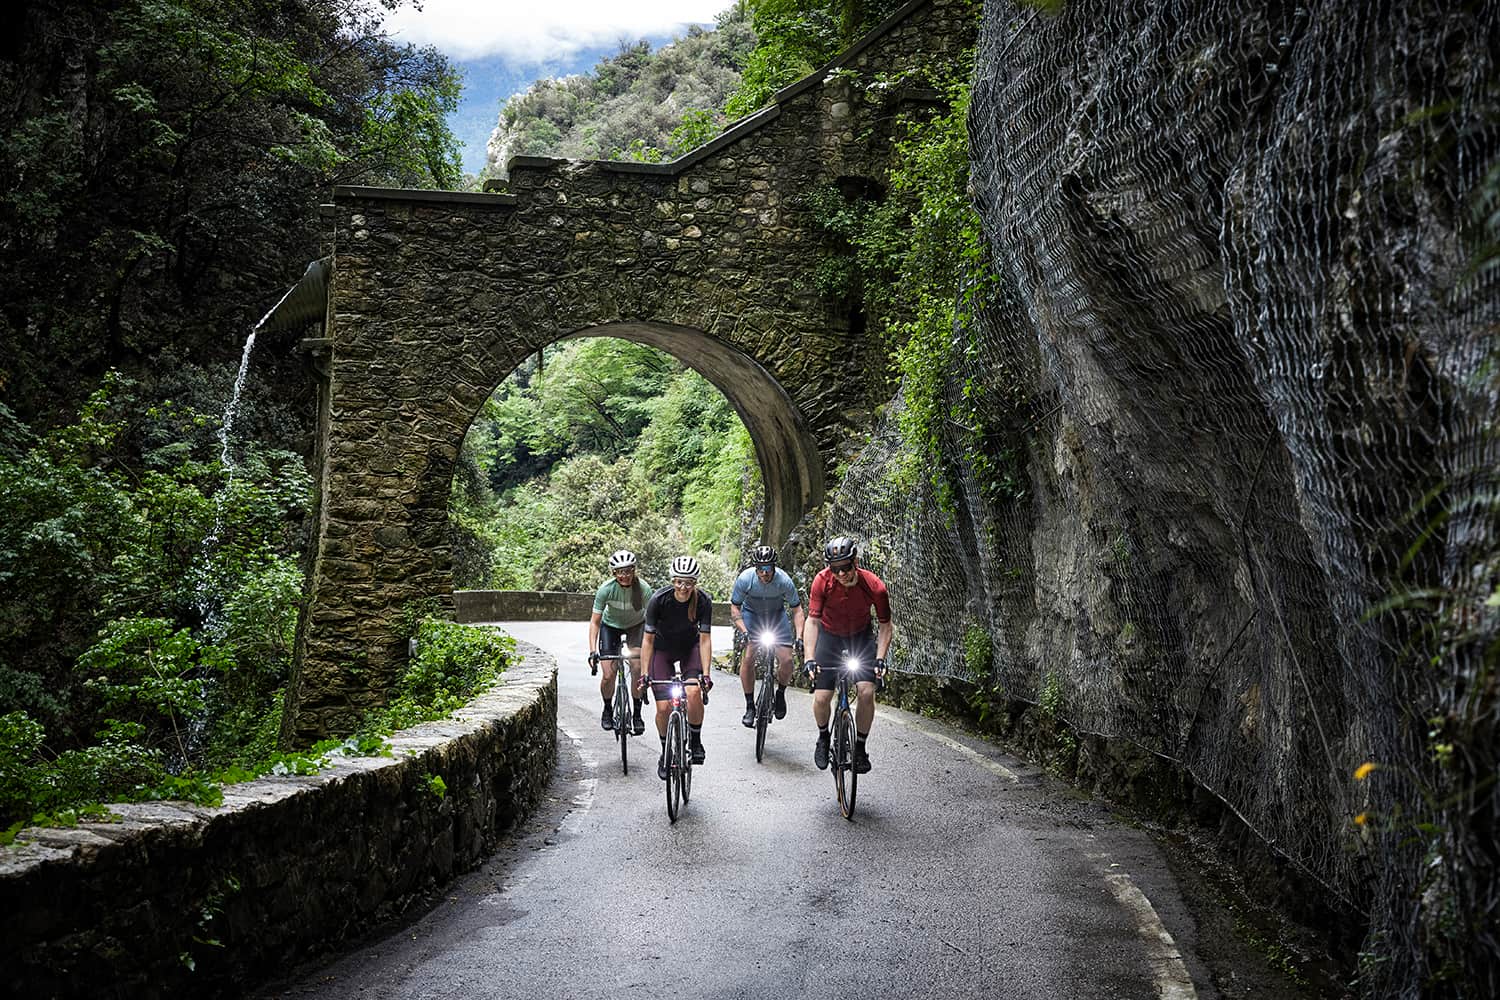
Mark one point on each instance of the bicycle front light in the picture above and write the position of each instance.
(851, 665)
(767, 639)
(676, 692)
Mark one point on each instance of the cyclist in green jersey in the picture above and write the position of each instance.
(619, 614)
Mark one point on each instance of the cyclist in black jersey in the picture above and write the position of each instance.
(678, 619)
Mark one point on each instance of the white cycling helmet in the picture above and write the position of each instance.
(685, 567)
(623, 559)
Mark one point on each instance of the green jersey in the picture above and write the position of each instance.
(618, 607)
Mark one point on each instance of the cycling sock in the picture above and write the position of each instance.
(859, 739)
(695, 734)
(749, 700)
(609, 703)
(638, 708)
(825, 735)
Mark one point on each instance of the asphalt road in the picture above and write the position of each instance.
(965, 873)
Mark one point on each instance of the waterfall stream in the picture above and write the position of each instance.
(213, 626)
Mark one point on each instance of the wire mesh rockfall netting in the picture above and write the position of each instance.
(1241, 376)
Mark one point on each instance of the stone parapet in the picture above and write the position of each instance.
(538, 606)
(179, 900)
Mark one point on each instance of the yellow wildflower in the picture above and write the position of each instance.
(1363, 771)
(1361, 819)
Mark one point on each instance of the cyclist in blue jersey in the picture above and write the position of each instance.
(762, 596)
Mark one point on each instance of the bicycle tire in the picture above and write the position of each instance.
(622, 721)
(687, 767)
(763, 709)
(847, 780)
(674, 765)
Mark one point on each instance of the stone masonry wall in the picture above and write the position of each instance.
(436, 298)
(180, 900)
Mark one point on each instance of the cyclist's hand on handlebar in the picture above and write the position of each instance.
(879, 673)
(593, 663)
(811, 666)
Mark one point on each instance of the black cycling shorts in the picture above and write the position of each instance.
(609, 638)
(834, 650)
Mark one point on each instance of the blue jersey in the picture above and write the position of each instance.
(764, 600)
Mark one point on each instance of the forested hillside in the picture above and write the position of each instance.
(653, 106)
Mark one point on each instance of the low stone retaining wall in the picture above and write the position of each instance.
(181, 900)
(539, 606)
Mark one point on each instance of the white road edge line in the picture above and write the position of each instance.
(584, 800)
(1171, 975)
(989, 765)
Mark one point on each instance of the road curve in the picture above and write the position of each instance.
(965, 873)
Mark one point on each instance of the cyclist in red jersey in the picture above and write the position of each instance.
(839, 603)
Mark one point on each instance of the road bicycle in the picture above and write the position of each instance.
(841, 741)
(679, 757)
(622, 704)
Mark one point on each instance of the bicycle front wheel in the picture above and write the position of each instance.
(844, 777)
(622, 722)
(763, 711)
(675, 745)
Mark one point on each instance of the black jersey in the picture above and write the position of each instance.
(677, 624)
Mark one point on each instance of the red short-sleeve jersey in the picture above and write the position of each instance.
(845, 610)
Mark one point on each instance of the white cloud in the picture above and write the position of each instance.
(534, 31)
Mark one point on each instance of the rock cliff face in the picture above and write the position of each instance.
(1240, 381)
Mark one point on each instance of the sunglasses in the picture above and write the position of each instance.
(764, 569)
(683, 584)
(841, 567)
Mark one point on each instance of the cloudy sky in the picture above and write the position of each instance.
(542, 31)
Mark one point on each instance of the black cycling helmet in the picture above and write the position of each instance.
(763, 555)
(839, 549)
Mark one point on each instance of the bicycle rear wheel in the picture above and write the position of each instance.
(844, 776)
(674, 765)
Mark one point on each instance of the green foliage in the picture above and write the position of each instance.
(146, 614)
(917, 260)
(979, 656)
(794, 37)
(452, 664)
(626, 449)
(154, 674)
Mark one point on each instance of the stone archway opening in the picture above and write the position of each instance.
(639, 435)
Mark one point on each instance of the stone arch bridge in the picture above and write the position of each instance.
(436, 297)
